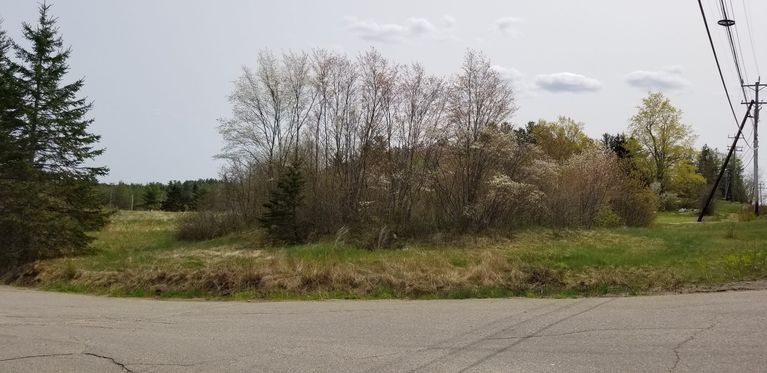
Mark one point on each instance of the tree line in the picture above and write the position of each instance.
(173, 196)
(319, 141)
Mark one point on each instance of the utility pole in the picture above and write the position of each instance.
(757, 200)
(726, 161)
(756, 87)
(728, 173)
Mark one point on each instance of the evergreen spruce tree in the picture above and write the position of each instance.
(617, 144)
(11, 108)
(708, 164)
(732, 187)
(52, 200)
(280, 218)
(15, 187)
(151, 197)
(57, 122)
(174, 197)
(198, 193)
(737, 188)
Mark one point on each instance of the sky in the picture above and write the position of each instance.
(159, 72)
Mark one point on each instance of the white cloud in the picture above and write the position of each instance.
(413, 28)
(567, 82)
(420, 26)
(373, 31)
(509, 73)
(449, 21)
(669, 78)
(506, 25)
(518, 80)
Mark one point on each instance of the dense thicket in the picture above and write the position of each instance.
(391, 149)
(46, 198)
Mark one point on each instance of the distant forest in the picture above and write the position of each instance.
(174, 196)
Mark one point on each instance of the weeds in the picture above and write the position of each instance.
(137, 255)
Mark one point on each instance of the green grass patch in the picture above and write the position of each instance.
(137, 255)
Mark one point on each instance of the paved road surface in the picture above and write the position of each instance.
(715, 332)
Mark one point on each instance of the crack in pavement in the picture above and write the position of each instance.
(436, 346)
(165, 364)
(67, 325)
(75, 319)
(2, 325)
(590, 331)
(115, 362)
(533, 334)
(678, 358)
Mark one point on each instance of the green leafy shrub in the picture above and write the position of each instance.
(607, 218)
(635, 204)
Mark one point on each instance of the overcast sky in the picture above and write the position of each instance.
(159, 72)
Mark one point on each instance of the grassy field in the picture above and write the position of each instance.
(137, 255)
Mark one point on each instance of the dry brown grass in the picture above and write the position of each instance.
(140, 257)
(407, 277)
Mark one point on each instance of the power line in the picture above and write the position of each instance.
(750, 37)
(749, 162)
(718, 65)
(740, 48)
(731, 42)
(740, 62)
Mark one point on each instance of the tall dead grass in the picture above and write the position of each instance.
(404, 277)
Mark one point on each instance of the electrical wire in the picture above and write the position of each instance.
(751, 38)
(753, 50)
(731, 42)
(740, 47)
(719, 66)
(749, 162)
(729, 39)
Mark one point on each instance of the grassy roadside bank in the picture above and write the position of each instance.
(137, 255)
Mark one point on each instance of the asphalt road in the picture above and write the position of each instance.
(713, 332)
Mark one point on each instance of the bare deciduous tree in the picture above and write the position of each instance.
(478, 98)
(389, 146)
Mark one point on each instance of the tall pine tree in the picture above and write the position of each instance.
(152, 197)
(53, 201)
(11, 109)
(15, 188)
(708, 164)
(57, 121)
(174, 197)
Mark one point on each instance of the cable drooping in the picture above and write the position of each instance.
(718, 65)
(733, 49)
(750, 37)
